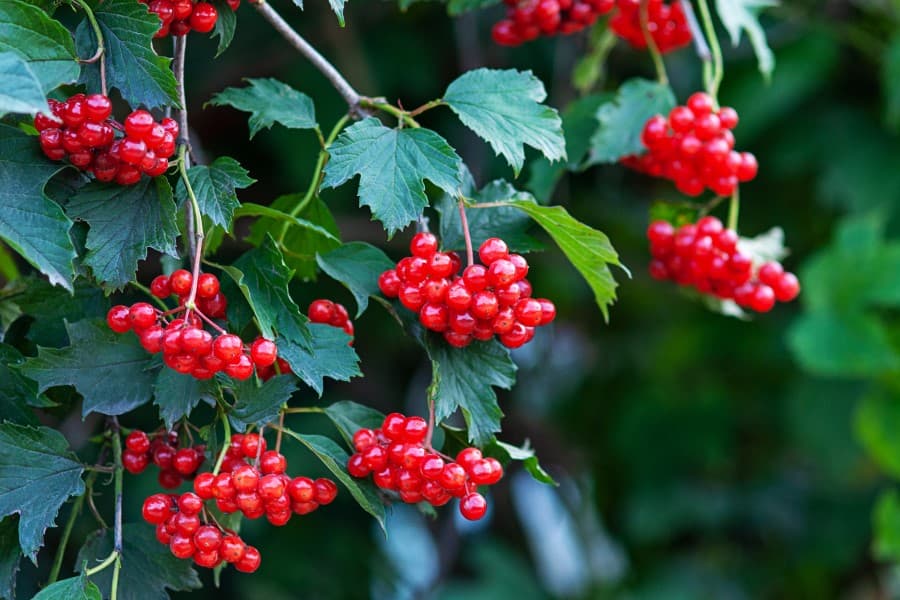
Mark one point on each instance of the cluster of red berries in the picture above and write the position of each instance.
(705, 255)
(397, 457)
(331, 313)
(81, 129)
(526, 20)
(186, 346)
(178, 526)
(210, 300)
(180, 17)
(666, 24)
(175, 464)
(489, 299)
(694, 147)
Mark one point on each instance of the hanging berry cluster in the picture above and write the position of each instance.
(399, 459)
(331, 313)
(666, 24)
(694, 148)
(180, 17)
(186, 347)
(83, 131)
(705, 255)
(489, 299)
(210, 300)
(175, 464)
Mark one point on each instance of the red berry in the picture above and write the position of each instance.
(301, 489)
(228, 347)
(393, 426)
(204, 17)
(159, 287)
(207, 285)
(138, 124)
(249, 561)
(473, 506)
(423, 245)
(263, 352)
(190, 503)
(157, 508)
(134, 462)
(364, 439)
(137, 441)
(787, 287)
(203, 486)
(389, 283)
(231, 548)
(118, 319)
(272, 462)
(252, 445)
(325, 491)
(180, 282)
(492, 249)
(321, 311)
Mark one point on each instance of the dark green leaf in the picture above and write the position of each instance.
(589, 250)
(148, 567)
(622, 119)
(215, 187)
(125, 221)
(330, 356)
(269, 101)
(886, 526)
(32, 224)
(357, 265)
(35, 462)
(393, 165)
(21, 92)
(890, 81)
(458, 7)
(335, 460)
(176, 395)
(17, 394)
(349, 417)
(111, 371)
(43, 42)
(226, 23)
(504, 108)
(74, 588)
(260, 404)
(10, 556)
(507, 452)
(132, 66)
(877, 421)
(51, 306)
(743, 15)
(850, 344)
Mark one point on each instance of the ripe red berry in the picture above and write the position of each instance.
(364, 439)
(231, 548)
(134, 462)
(159, 287)
(272, 462)
(414, 430)
(263, 352)
(180, 282)
(325, 491)
(301, 489)
(249, 561)
(157, 508)
(423, 245)
(137, 441)
(204, 486)
(118, 319)
(228, 347)
(138, 124)
(389, 283)
(252, 445)
(473, 506)
(207, 285)
(492, 249)
(182, 546)
(204, 17)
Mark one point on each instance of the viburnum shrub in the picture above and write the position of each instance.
(216, 342)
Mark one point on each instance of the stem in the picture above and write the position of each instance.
(106, 562)
(146, 290)
(280, 427)
(403, 116)
(427, 106)
(432, 390)
(227, 427)
(101, 48)
(713, 82)
(117, 456)
(198, 223)
(470, 255)
(734, 209)
(67, 530)
(303, 409)
(178, 70)
(350, 95)
(209, 322)
(658, 63)
(114, 589)
(700, 44)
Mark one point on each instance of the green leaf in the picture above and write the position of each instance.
(52, 306)
(886, 527)
(269, 101)
(504, 108)
(31, 223)
(622, 119)
(42, 42)
(737, 15)
(74, 588)
(357, 265)
(125, 221)
(850, 344)
(890, 81)
(111, 371)
(463, 378)
(10, 556)
(21, 92)
(335, 460)
(393, 165)
(876, 423)
(589, 250)
(148, 567)
(17, 394)
(337, 6)
(132, 65)
(226, 23)
(176, 395)
(349, 417)
(330, 356)
(507, 452)
(35, 462)
(215, 187)
(458, 7)
(260, 404)
(272, 213)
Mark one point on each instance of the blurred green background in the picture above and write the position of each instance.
(699, 456)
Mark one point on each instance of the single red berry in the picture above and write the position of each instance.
(414, 430)
(245, 478)
(223, 487)
(432, 466)
(453, 477)
(182, 546)
(207, 285)
(142, 315)
(272, 462)
(700, 103)
(231, 548)
(137, 441)
(529, 312)
(252, 445)
(389, 283)
(473, 506)
(423, 245)
(180, 282)
(301, 489)
(118, 319)
(787, 287)
(206, 559)
(392, 426)
(763, 299)
(134, 462)
(364, 439)
(492, 249)
(321, 311)
(190, 503)
(186, 461)
(440, 265)
(159, 287)
(468, 457)
(270, 487)
(228, 347)
(203, 486)
(263, 352)
(376, 458)
(325, 490)
(157, 508)
(138, 124)
(357, 466)
(249, 561)
(204, 17)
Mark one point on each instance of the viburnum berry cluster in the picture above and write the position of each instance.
(180, 17)
(186, 347)
(527, 20)
(175, 464)
(331, 313)
(82, 130)
(487, 300)
(400, 459)
(666, 24)
(694, 147)
(705, 255)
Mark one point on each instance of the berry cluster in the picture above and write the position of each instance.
(705, 255)
(178, 526)
(81, 129)
(489, 299)
(694, 147)
(210, 300)
(180, 17)
(397, 457)
(331, 313)
(187, 347)
(666, 24)
(526, 20)
(175, 464)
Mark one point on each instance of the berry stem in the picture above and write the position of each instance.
(146, 290)
(210, 322)
(658, 63)
(198, 224)
(225, 442)
(470, 255)
(67, 530)
(180, 51)
(117, 523)
(713, 80)
(280, 427)
(101, 48)
(427, 106)
(350, 95)
(700, 44)
(303, 409)
(432, 391)
(404, 117)
(734, 209)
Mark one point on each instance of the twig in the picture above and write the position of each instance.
(198, 224)
(734, 209)
(404, 117)
(470, 255)
(226, 442)
(101, 49)
(714, 81)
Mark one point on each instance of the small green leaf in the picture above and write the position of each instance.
(10, 556)
(132, 65)
(176, 395)
(125, 222)
(269, 101)
(21, 92)
(335, 460)
(226, 23)
(349, 417)
(886, 527)
(270, 212)
(847, 344)
(35, 462)
(215, 186)
(148, 567)
(507, 452)
(876, 423)
(622, 119)
(260, 404)
(357, 265)
(743, 15)
(393, 165)
(589, 250)
(41, 41)
(504, 108)
(112, 372)
(74, 588)
(330, 356)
